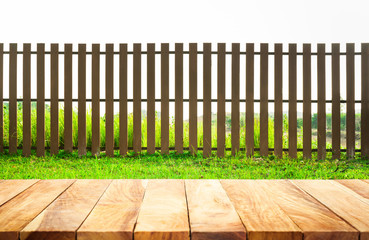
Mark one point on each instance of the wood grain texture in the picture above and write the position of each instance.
(337, 200)
(178, 97)
(192, 136)
(235, 121)
(292, 97)
(40, 142)
(356, 187)
(95, 102)
(306, 100)
(262, 217)
(11, 188)
(17, 213)
(350, 98)
(151, 98)
(249, 99)
(13, 106)
(115, 215)
(163, 213)
(315, 220)
(62, 218)
(164, 68)
(54, 96)
(207, 100)
(211, 213)
(123, 75)
(264, 99)
(109, 102)
(26, 99)
(221, 88)
(336, 105)
(68, 106)
(322, 122)
(278, 102)
(82, 99)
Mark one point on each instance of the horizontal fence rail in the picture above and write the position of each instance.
(252, 135)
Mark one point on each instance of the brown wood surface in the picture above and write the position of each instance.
(322, 141)
(264, 99)
(221, 88)
(81, 99)
(151, 98)
(259, 212)
(17, 213)
(26, 99)
(211, 213)
(193, 98)
(164, 98)
(1, 97)
(54, 96)
(315, 220)
(68, 107)
(249, 99)
(11, 188)
(114, 216)
(179, 97)
(123, 133)
(109, 102)
(346, 205)
(306, 100)
(292, 97)
(336, 105)
(163, 213)
(95, 102)
(13, 108)
(62, 218)
(356, 187)
(40, 142)
(207, 100)
(350, 95)
(365, 100)
(235, 130)
(278, 100)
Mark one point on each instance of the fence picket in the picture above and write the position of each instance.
(292, 97)
(137, 97)
(365, 99)
(221, 100)
(165, 98)
(123, 133)
(350, 105)
(82, 99)
(321, 103)
(336, 118)
(264, 99)
(109, 96)
(306, 100)
(13, 99)
(26, 99)
(179, 97)
(54, 94)
(278, 100)
(95, 88)
(1, 98)
(151, 98)
(68, 107)
(193, 98)
(40, 142)
(207, 100)
(235, 131)
(249, 99)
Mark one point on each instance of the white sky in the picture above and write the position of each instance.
(269, 21)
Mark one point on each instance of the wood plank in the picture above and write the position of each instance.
(365, 99)
(17, 213)
(123, 133)
(13, 105)
(27, 140)
(115, 215)
(40, 142)
(95, 102)
(207, 100)
(68, 108)
(81, 99)
(315, 220)
(336, 199)
(336, 105)
(54, 96)
(62, 218)
(259, 211)
(179, 97)
(221, 100)
(306, 100)
(164, 98)
(151, 98)
(235, 131)
(1, 97)
(264, 99)
(350, 95)
(211, 213)
(356, 187)
(193, 98)
(109, 103)
(322, 141)
(292, 97)
(163, 213)
(249, 99)
(11, 188)
(278, 100)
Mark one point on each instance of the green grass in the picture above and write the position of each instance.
(183, 166)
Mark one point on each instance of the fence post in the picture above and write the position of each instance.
(82, 99)
(68, 107)
(13, 99)
(235, 131)
(264, 55)
(350, 106)
(221, 100)
(336, 115)
(151, 98)
(40, 100)
(109, 102)
(137, 97)
(123, 134)
(292, 97)
(26, 99)
(249, 99)
(54, 108)
(193, 98)
(278, 103)
(95, 87)
(1, 97)
(321, 103)
(207, 100)
(307, 100)
(365, 100)
(164, 98)
(179, 97)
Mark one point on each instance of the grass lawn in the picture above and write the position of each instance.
(178, 166)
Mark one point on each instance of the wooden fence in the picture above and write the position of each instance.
(221, 100)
